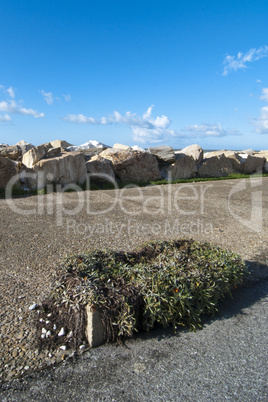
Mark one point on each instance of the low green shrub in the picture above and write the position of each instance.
(164, 283)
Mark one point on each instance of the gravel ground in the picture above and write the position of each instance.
(225, 361)
(38, 232)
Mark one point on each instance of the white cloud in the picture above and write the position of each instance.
(234, 63)
(4, 117)
(9, 107)
(13, 108)
(264, 95)
(145, 128)
(129, 119)
(262, 121)
(67, 97)
(48, 97)
(30, 112)
(11, 92)
(209, 130)
(81, 119)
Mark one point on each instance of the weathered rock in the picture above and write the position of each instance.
(67, 168)
(164, 154)
(236, 160)
(25, 146)
(215, 166)
(12, 152)
(95, 330)
(60, 144)
(87, 145)
(185, 167)
(264, 154)
(90, 152)
(100, 169)
(7, 171)
(121, 146)
(195, 151)
(186, 163)
(252, 164)
(52, 152)
(35, 154)
(132, 166)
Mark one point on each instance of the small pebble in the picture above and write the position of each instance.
(44, 331)
(54, 327)
(33, 306)
(48, 333)
(63, 347)
(81, 347)
(62, 332)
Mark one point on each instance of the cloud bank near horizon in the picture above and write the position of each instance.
(147, 129)
(234, 63)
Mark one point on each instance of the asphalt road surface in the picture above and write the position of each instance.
(226, 360)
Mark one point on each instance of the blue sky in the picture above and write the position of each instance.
(143, 72)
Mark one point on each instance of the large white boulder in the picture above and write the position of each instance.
(35, 154)
(132, 166)
(68, 168)
(87, 145)
(195, 151)
(137, 148)
(121, 146)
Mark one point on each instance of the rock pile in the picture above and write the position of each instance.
(59, 162)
